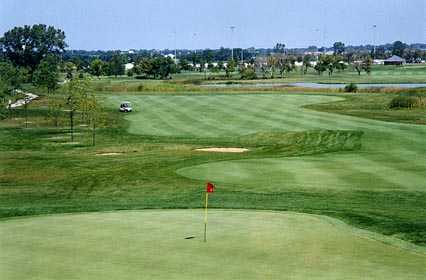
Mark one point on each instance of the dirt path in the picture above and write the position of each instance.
(20, 102)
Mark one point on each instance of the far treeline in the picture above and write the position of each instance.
(37, 54)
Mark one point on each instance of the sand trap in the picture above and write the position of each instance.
(223, 150)
(109, 154)
(70, 143)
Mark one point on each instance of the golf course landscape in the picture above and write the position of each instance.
(212, 140)
(360, 181)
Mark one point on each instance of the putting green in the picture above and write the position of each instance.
(241, 245)
(341, 171)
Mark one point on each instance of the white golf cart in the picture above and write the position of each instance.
(125, 107)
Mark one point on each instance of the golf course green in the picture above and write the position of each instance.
(168, 244)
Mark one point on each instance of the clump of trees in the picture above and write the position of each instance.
(114, 67)
(363, 64)
(330, 63)
(29, 54)
(155, 67)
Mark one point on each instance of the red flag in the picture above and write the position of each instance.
(210, 188)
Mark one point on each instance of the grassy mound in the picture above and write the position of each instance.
(408, 101)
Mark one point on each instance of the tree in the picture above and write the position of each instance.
(27, 46)
(363, 64)
(398, 48)
(75, 90)
(93, 109)
(184, 65)
(248, 73)
(116, 65)
(306, 63)
(279, 48)
(230, 68)
(320, 67)
(11, 78)
(46, 75)
(339, 48)
(326, 62)
(97, 67)
(272, 62)
(69, 68)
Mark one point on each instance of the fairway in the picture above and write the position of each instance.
(241, 244)
(391, 158)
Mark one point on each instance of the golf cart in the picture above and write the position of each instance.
(125, 107)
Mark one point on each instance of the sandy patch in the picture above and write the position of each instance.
(57, 137)
(109, 154)
(70, 143)
(223, 150)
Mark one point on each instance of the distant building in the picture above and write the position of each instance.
(394, 60)
(378, 61)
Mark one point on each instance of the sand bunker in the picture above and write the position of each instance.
(223, 150)
(109, 154)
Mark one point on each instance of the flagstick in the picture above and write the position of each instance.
(205, 217)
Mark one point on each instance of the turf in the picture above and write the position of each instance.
(241, 244)
(40, 172)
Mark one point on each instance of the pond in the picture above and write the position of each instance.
(312, 85)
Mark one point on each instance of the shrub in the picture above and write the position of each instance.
(248, 73)
(404, 102)
(351, 88)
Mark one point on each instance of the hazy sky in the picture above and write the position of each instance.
(126, 24)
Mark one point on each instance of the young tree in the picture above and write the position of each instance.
(230, 68)
(306, 63)
(75, 90)
(69, 68)
(94, 114)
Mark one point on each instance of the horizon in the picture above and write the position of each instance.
(114, 26)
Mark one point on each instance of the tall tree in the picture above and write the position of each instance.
(116, 65)
(46, 75)
(339, 48)
(398, 48)
(97, 67)
(27, 46)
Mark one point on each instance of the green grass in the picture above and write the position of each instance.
(241, 245)
(379, 186)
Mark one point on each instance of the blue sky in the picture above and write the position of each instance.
(126, 24)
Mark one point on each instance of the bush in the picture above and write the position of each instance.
(404, 102)
(351, 88)
(248, 74)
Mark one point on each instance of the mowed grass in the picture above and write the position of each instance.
(391, 157)
(241, 245)
(377, 187)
